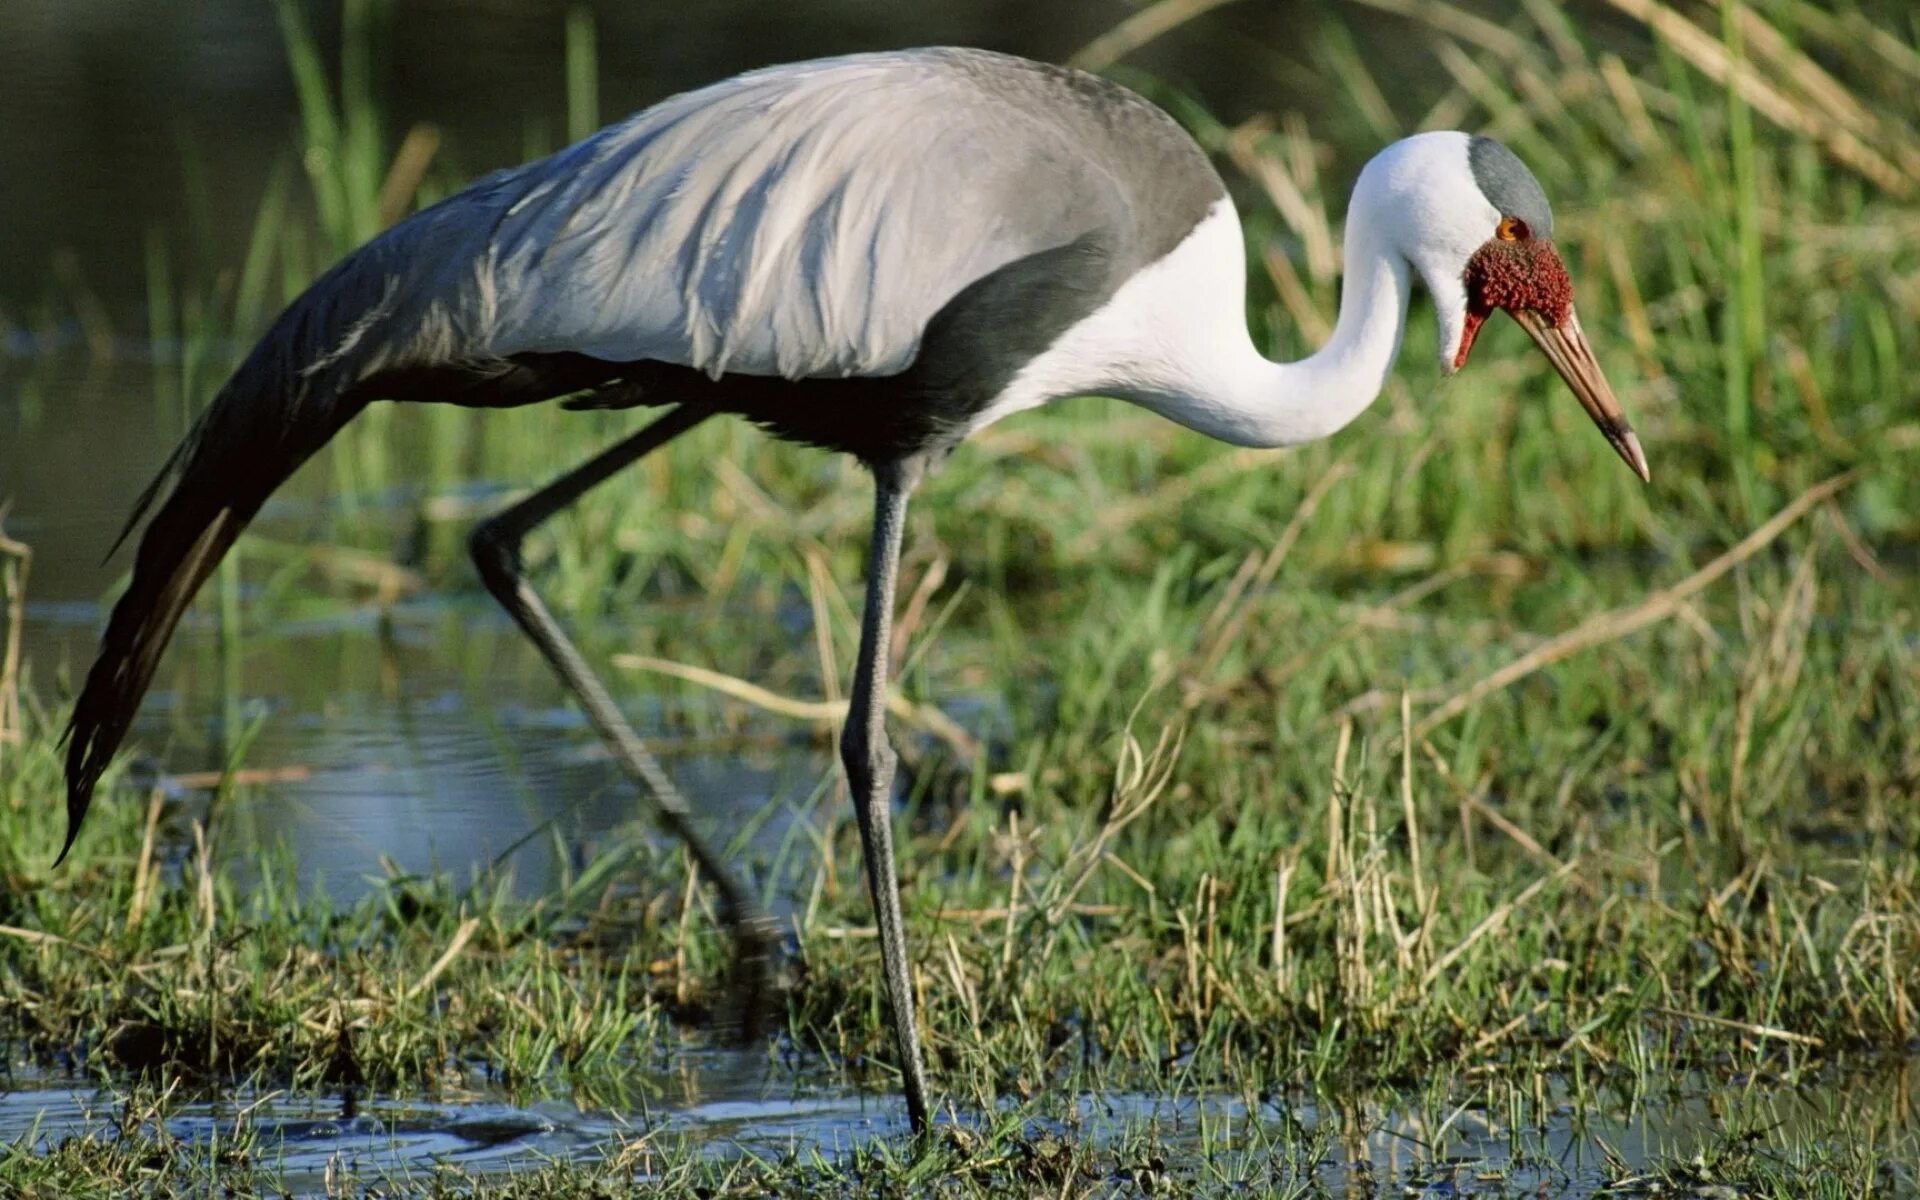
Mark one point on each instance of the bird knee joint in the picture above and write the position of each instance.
(496, 554)
(867, 759)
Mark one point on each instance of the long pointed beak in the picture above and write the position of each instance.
(1566, 347)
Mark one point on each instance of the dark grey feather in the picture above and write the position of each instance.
(1507, 184)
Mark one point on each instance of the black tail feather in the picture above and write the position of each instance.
(294, 391)
(247, 443)
(393, 320)
(269, 418)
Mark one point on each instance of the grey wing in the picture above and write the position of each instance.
(803, 221)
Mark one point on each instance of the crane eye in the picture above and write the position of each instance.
(1512, 229)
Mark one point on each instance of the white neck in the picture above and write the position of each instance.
(1173, 339)
(1230, 391)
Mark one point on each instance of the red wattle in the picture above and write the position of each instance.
(1525, 274)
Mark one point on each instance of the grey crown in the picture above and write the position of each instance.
(1507, 184)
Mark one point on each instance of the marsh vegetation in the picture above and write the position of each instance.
(1437, 807)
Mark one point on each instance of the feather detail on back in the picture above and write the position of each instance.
(778, 223)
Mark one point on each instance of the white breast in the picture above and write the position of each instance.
(1162, 335)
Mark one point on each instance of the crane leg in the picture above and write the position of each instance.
(870, 763)
(495, 545)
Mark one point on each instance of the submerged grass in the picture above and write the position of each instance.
(1440, 757)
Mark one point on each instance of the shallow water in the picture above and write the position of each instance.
(419, 735)
(732, 1102)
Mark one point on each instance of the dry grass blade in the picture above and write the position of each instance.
(920, 716)
(1136, 31)
(1710, 58)
(388, 580)
(1823, 89)
(1282, 884)
(34, 936)
(1492, 922)
(409, 168)
(1314, 324)
(1464, 25)
(1618, 623)
(461, 937)
(145, 875)
(1759, 1031)
(1408, 813)
(1471, 802)
(1493, 1037)
(1142, 778)
(1856, 549)
(916, 609)
(193, 781)
(15, 558)
(820, 586)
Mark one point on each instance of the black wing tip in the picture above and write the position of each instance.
(82, 775)
(73, 834)
(79, 798)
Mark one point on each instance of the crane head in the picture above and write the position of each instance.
(1476, 224)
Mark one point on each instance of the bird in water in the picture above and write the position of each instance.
(877, 254)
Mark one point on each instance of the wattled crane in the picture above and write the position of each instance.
(878, 254)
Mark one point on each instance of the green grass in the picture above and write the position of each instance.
(1684, 852)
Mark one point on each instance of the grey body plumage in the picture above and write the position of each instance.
(772, 227)
(774, 224)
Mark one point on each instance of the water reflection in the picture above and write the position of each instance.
(424, 732)
(408, 762)
(729, 1102)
